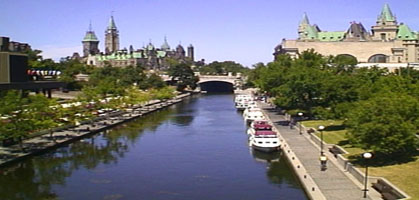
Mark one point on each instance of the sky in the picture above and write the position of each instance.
(244, 31)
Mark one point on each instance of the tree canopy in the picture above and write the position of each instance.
(379, 107)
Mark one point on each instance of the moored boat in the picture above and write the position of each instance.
(266, 141)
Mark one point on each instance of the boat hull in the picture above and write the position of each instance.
(266, 149)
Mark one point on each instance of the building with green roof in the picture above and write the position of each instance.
(148, 56)
(386, 42)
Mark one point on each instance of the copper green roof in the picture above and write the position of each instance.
(386, 14)
(150, 46)
(111, 24)
(404, 33)
(90, 37)
(331, 36)
(165, 45)
(161, 54)
(312, 32)
(137, 55)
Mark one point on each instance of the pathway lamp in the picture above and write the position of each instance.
(366, 156)
(321, 128)
(300, 114)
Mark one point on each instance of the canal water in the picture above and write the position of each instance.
(194, 150)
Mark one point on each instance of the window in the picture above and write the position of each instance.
(383, 36)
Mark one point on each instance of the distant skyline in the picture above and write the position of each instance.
(245, 31)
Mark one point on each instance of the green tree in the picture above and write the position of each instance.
(386, 124)
(184, 76)
(16, 123)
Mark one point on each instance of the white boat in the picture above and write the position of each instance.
(258, 125)
(250, 109)
(266, 141)
(241, 101)
(253, 115)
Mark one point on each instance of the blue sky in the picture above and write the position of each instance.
(245, 31)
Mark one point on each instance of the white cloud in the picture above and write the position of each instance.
(57, 52)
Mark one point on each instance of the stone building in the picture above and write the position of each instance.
(388, 41)
(149, 56)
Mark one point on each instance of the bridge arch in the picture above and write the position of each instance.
(216, 86)
(378, 58)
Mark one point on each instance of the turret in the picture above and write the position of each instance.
(165, 46)
(180, 52)
(90, 42)
(303, 26)
(191, 53)
(386, 26)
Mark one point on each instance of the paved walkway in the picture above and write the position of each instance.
(334, 183)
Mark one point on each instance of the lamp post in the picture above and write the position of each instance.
(300, 114)
(366, 156)
(321, 128)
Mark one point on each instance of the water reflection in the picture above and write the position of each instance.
(32, 178)
(276, 163)
(193, 150)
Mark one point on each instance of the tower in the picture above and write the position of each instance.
(303, 26)
(165, 46)
(191, 53)
(111, 37)
(307, 31)
(180, 52)
(386, 25)
(90, 42)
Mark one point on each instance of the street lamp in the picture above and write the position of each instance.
(321, 128)
(300, 114)
(366, 156)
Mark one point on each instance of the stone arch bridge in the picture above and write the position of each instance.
(222, 83)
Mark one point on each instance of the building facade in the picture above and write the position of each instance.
(388, 41)
(155, 58)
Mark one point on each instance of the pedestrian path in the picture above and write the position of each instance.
(333, 182)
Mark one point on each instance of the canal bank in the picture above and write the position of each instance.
(332, 183)
(64, 135)
(196, 149)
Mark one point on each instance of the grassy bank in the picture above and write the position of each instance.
(403, 174)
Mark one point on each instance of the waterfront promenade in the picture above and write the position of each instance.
(47, 141)
(334, 183)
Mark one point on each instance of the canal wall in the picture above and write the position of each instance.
(310, 187)
(44, 141)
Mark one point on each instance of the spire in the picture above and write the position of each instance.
(111, 24)
(90, 35)
(305, 20)
(90, 26)
(165, 45)
(386, 14)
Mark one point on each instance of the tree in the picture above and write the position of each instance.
(162, 93)
(221, 68)
(16, 123)
(386, 124)
(184, 76)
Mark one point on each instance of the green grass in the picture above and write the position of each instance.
(404, 175)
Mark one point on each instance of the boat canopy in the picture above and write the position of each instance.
(264, 132)
(262, 126)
